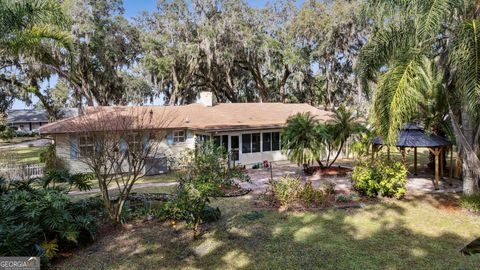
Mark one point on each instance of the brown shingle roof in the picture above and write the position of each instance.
(224, 116)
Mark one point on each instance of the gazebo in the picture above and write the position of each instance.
(413, 136)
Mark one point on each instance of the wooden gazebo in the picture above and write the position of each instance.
(413, 136)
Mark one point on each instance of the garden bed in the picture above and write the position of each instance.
(234, 191)
(332, 171)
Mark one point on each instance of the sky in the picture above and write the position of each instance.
(134, 8)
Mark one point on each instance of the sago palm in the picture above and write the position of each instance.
(393, 60)
(301, 139)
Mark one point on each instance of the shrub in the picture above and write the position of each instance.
(42, 222)
(207, 173)
(289, 190)
(328, 188)
(286, 190)
(7, 133)
(470, 202)
(380, 177)
(309, 195)
(342, 198)
(48, 155)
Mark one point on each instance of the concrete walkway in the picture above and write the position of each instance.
(422, 183)
(260, 178)
(140, 185)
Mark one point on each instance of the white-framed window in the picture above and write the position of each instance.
(86, 146)
(271, 141)
(251, 143)
(178, 136)
(135, 142)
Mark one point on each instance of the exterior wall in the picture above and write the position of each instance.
(26, 126)
(249, 159)
(165, 148)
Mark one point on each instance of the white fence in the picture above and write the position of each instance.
(22, 172)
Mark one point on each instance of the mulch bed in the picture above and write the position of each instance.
(332, 171)
(266, 202)
(234, 191)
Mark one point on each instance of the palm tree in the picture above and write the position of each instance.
(406, 33)
(302, 139)
(33, 41)
(344, 124)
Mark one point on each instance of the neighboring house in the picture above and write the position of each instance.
(31, 119)
(249, 131)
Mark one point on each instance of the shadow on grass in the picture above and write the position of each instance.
(411, 234)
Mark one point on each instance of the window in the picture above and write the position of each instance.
(267, 142)
(86, 146)
(201, 138)
(251, 143)
(135, 143)
(255, 142)
(179, 136)
(275, 141)
(246, 143)
(221, 141)
(271, 141)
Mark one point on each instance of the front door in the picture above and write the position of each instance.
(235, 147)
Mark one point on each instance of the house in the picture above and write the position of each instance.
(250, 131)
(29, 120)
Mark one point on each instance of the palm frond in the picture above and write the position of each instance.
(465, 61)
(396, 98)
(387, 43)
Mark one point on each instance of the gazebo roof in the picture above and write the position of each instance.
(414, 136)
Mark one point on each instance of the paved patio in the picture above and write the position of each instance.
(422, 183)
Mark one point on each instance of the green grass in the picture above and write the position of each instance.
(21, 155)
(408, 234)
(470, 202)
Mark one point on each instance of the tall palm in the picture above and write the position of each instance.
(406, 33)
(344, 124)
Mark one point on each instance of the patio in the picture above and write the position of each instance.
(421, 183)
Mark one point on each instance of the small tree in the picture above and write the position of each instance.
(115, 144)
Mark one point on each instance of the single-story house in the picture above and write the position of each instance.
(28, 120)
(249, 131)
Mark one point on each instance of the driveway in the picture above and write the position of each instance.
(32, 143)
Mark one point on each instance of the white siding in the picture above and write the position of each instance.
(176, 150)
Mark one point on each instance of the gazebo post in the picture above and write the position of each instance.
(415, 161)
(442, 153)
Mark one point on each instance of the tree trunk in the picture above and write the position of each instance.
(469, 180)
(471, 162)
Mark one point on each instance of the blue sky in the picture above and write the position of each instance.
(132, 9)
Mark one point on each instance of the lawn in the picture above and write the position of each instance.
(417, 233)
(28, 155)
